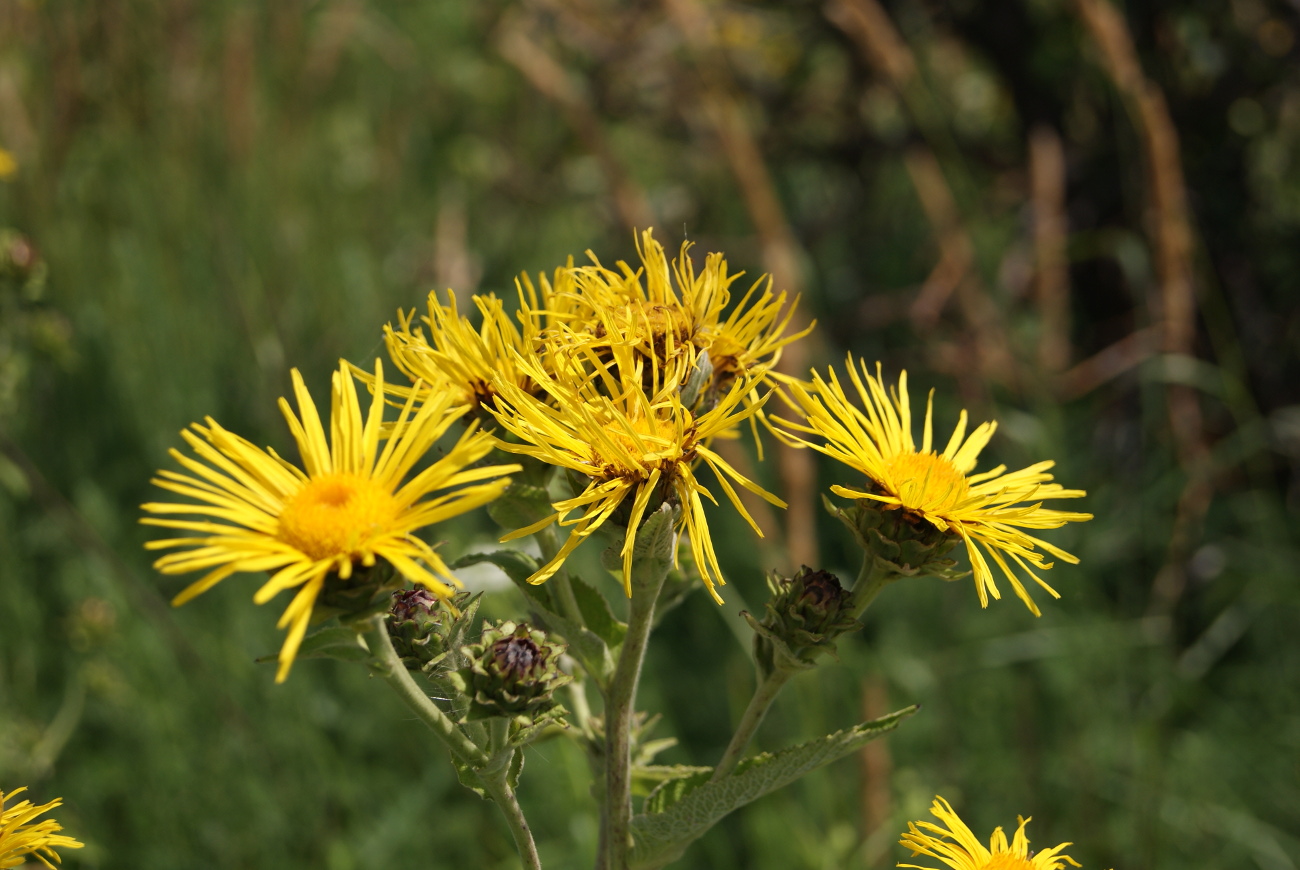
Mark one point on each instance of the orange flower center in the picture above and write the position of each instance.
(1007, 861)
(336, 515)
(928, 484)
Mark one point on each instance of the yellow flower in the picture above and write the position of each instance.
(629, 442)
(956, 846)
(677, 313)
(347, 507)
(21, 838)
(990, 508)
(457, 358)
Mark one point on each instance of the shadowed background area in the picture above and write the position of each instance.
(1078, 219)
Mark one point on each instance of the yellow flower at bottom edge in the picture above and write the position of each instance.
(21, 838)
(627, 443)
(990, 508)
(956, 846)
(349, 506)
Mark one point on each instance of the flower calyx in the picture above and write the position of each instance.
(899, 540)
(805, 615)
(513, 671)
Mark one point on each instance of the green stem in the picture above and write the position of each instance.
(388, 665)
(872, 577)
(548, 542)
(504, 797)
(619, 704)
(764, 695)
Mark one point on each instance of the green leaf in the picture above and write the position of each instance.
(333, 643)
(519, 566)
(520, 505)
(681, 810)
(646, 777)
(597, 613)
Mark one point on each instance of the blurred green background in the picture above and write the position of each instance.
(1077, 219)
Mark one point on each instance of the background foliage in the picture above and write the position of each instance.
(1079, 222)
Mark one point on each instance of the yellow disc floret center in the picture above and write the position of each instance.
(926, 483)
(1007, 861)
(658, 447)
(336, 515)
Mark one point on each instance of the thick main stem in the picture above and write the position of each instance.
(619, 704)
(873, 576)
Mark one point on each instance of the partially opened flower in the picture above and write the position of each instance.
(22, 838)
(670, 314)
(449, 354)
(988, 511)
(347, 507)
(630, 444)
(956, 846)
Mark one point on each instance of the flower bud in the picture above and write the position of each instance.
(415, 624)
(513, 671)
(806, 614)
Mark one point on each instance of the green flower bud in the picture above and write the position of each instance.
(806, 614)
(415, 618)
(904, 542)
(513, 671)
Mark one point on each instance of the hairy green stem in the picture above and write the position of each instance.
(873, 576)
(620, 702)
(388, 665)
(764, 695)
(504, 797)
(548, 542)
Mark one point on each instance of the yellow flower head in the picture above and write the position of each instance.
(21, 838)
(675, 314)
(629, 442)
(456, 358)
(347, 506)
(956, 846)
(989, 509)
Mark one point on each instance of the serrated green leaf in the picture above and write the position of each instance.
(597, 613)
(681, 810)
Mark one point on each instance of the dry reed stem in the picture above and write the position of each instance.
(1108, 363)
(869, 26)
(1174, 305)
(875, 761)
(1051, 273)
(569, 94)
(781, 253)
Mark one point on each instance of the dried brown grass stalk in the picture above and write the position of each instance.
(1051, 273)
(869, 26)
(1173, 306)
(569, 94)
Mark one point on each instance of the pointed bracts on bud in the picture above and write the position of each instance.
(513, 671)
(902, 541)
(426, 629)
(805, 615)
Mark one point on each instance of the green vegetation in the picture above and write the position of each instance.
(209, 194)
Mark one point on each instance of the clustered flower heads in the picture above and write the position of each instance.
(625, 378)
(21, 837)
